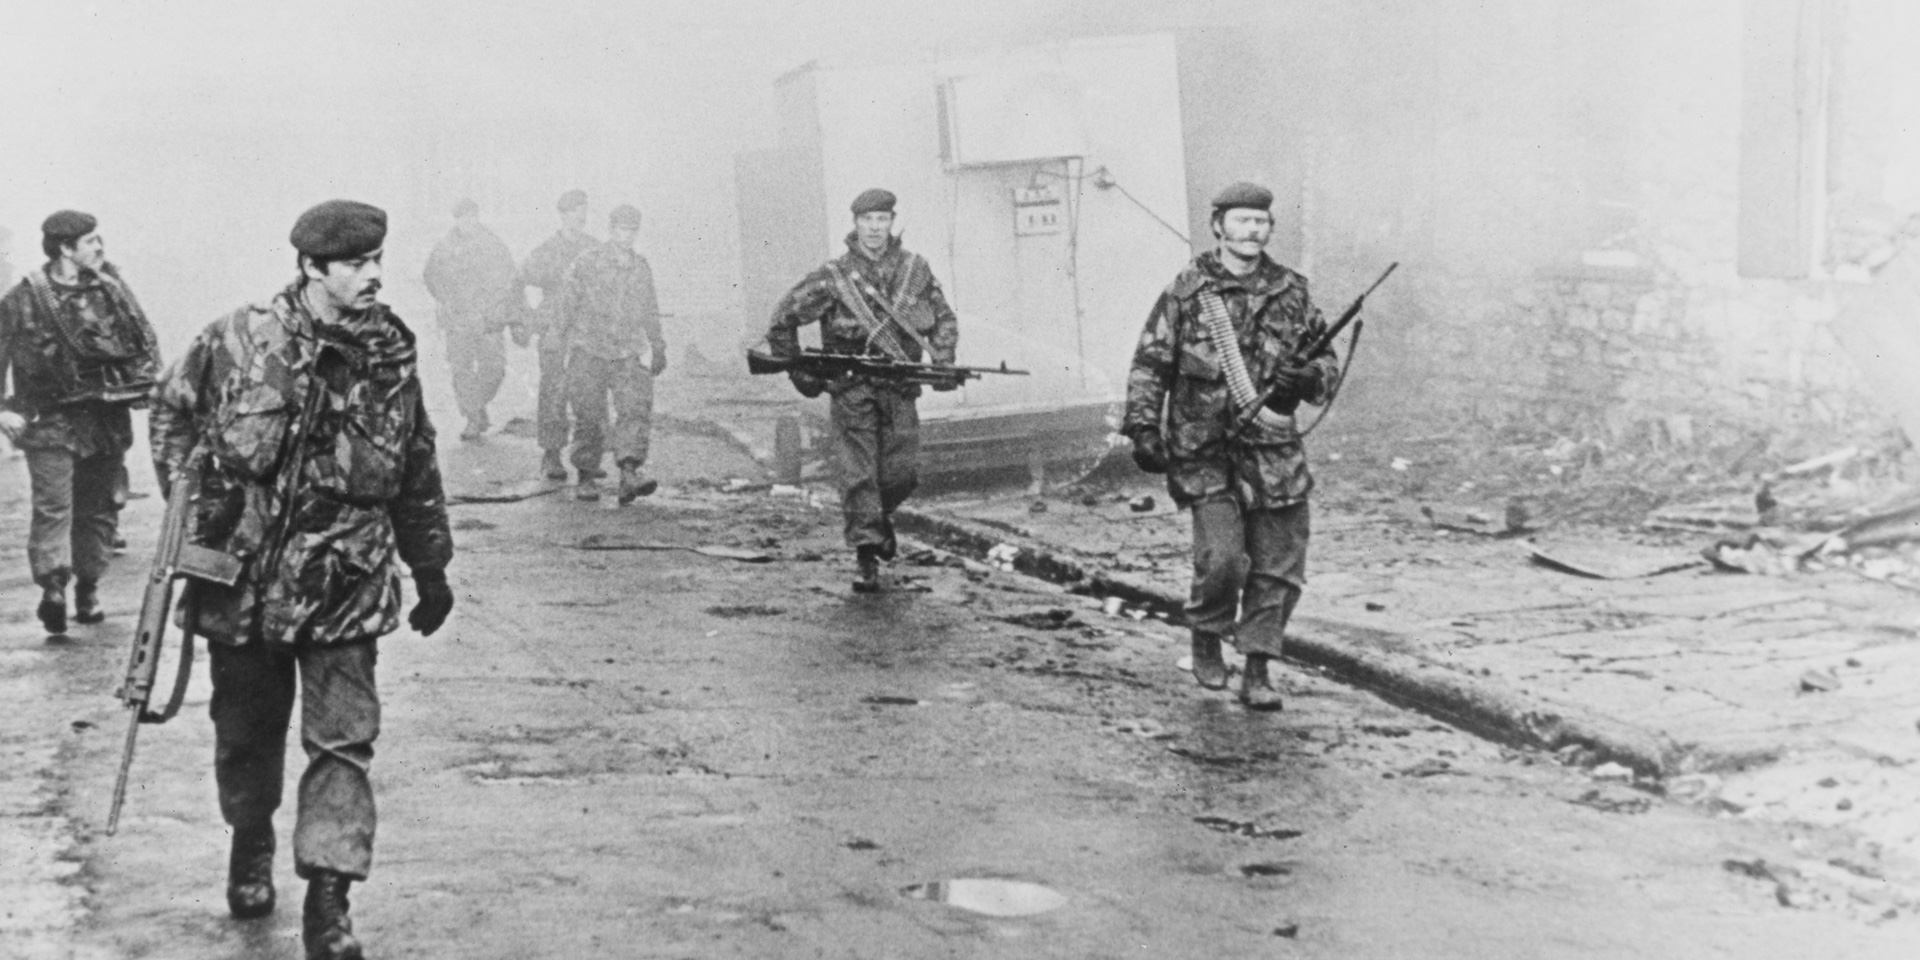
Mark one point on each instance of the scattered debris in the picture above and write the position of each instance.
(1055, 619)
(1400, 464)
(736, 611)
(786, 490)
(1002, 556)
(1819, 681)
(1144, 728)
(888, 700)
(1613, 771)
(1734, 516)
(1485, 521)
(621, 541)
(1038, 506)
(1609, 561)
(1266, 869)
(1430, 767)
(505, 492)
(1289, 931)
(1112, 606)
(1141, 504)
(743, 485)
(861, 843)
(1244, 828)
(79, 725)
(1385, 731)
(1751, 555)
(1605, 802)
(1376, 606)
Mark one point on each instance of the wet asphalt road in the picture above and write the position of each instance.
(664, 754)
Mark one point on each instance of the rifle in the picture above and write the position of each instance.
(832, 366)
(1350, 316)
(173, 559)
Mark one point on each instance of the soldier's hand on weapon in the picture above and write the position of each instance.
(946, 386)
(434, 603)
(11, 424)
(809, 385)
(1294, 384)
(659, 361)
(1149, 451)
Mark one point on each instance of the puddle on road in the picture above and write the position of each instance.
(994, 898)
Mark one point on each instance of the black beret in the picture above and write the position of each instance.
(68, 225)
(1243, 194)
(339, 229)
(875, 200)
(624, 215)
(466, 207)
(572, 199)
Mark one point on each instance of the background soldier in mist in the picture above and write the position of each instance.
(471, 276)
(610, 320)
(876, 287)
(303, 420)
(1234, 307)
(546, 268)
(82, 357)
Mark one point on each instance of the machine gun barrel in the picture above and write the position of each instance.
(833, 365)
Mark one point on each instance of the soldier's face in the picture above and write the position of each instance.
(575, 219)
(623, 235)
(350, 285)
(89, 251)
(1245, 232)
(874, 228)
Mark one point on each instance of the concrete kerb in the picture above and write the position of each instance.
(1354, 654)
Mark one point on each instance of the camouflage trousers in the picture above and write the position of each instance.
(75, 514)
(1249, 567)
(876, 445)
(479, 362)
(591, 383)
(254, 685)
(551, 413)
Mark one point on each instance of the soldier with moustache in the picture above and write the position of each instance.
(1227, 332)
(82, 358)
(301, 421)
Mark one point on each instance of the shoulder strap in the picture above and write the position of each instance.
(880, 333)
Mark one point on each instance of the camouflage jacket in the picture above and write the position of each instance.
(333, 504)
(1178, 389)
(903, 277)
(471, 276)
(546, 268)
(609, 308)
(76, 376)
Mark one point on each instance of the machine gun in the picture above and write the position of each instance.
(832, 366)
(175, 558)
(1350, 316)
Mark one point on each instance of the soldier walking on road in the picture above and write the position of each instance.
(1225, 333)
(546, 268)
(82, 357)
(471, 276)
(877, 298)
(303, 421)
(610, 319)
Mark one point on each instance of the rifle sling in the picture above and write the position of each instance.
(185, 670)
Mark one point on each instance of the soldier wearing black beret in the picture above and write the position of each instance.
(1226, 333)
(301, 422)
(876, 298)
(82, 356)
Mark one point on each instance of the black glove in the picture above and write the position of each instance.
(659, 360)
(1293, 385)
(809, 385)
(1149, 451)
(434, 603)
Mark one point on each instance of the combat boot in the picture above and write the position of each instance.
(1256, 688)
(866, 577)
(1209, 668)
(633, 486)
(53, 609)
(86, 602)
(551, 467)
(325, 928)
(250, 871)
